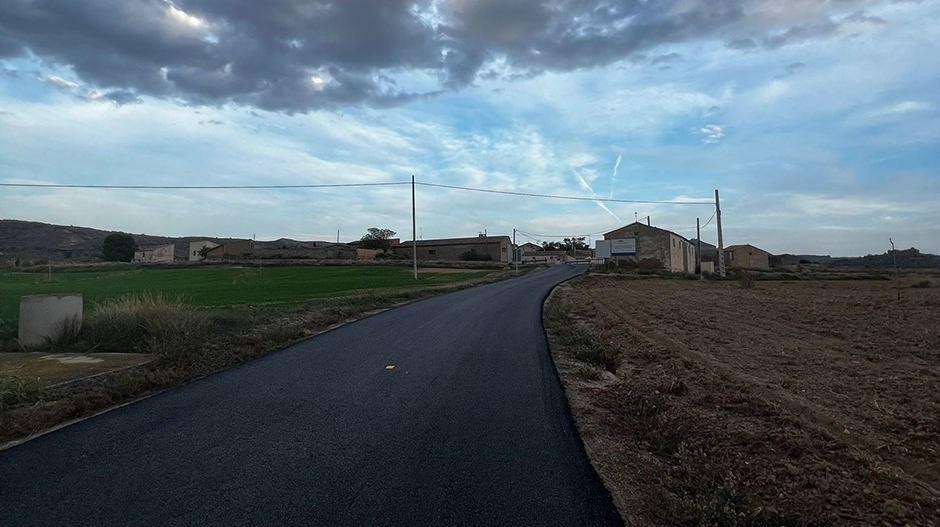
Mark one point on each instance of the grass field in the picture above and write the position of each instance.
(222, 286)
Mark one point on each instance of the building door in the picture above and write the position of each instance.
(685, 259)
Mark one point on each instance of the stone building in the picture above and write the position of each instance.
(651, 247)
(488, 248)
(746, 257)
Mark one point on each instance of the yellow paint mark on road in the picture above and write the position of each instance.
(390, 367)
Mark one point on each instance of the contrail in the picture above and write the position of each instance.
(613, 179)
(585, 186)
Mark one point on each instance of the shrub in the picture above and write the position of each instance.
(923, 284)
(146, 323)
(15, 389)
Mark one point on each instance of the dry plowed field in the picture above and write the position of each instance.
(793, 403)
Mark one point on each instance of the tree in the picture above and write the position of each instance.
(119, 247)
(376, 238)
(567, 244)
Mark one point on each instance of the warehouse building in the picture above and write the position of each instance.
(648, 247)
(746, 256)
(482, 248)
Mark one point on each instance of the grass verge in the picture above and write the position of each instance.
(189, 342)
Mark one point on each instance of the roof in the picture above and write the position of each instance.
(743, 245)
(155, 247)
(457, 241)
(544, 253)
(645, 226)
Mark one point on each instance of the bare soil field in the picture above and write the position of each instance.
(789, 403)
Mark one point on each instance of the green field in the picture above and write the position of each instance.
(226, 286)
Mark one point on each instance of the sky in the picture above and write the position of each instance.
(818, 121)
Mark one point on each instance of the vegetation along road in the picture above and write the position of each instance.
(222, 286)
(442, 412)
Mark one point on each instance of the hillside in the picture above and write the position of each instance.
(35, 243)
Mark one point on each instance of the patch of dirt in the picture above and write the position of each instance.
(791, 403)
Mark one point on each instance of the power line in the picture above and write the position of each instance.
(530, 234)
(552, 196)
(199, 187)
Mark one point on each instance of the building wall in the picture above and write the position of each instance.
(235, 249)
(196, 247)
(651, 244)
(747, 257)
(163, 253)
(497, 248)
(671, 251)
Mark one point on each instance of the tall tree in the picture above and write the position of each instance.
(376, 238)
(119, 247)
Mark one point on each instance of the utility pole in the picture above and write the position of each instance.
(649, 222)
(515, 251)
(414, 228)
(698, 246)
(895, 254)
(636, 217)
(721, 247)
(337, 235)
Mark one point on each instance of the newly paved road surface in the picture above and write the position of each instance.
(470, 428)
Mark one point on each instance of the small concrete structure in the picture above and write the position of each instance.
(43, 318)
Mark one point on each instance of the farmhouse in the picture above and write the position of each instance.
(195, 249)
(746, 257)
(154, 254)
(231, 250)
(649, 247)
(490, 248)
(529, 247)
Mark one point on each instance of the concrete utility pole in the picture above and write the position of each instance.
(895, 254)
(414, 228)
(698, 246)
(337, 235)
(721, 247)
(515, 251)
(649, 221)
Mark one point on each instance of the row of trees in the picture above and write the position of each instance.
(568, 244)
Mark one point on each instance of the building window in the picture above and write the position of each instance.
(432, 251)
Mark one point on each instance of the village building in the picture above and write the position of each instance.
(543, 257)
(486, 248)
(196, 249)
(648, 247)
(155, 254)
(236, 249)
(746, 256)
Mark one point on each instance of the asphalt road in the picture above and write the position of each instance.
(471, 427)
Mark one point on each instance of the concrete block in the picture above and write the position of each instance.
(45, 317)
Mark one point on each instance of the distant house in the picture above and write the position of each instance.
(648, 246)
(529, 247)
(491, 248)
(155, 254)
(195, 249)
(236, 249)
(709, 251)
(746, 256)
(544, 257)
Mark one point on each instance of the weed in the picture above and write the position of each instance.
(15, 390)
(923, 284)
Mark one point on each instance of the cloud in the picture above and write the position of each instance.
(379, 54)
(59, 82)
(901, 108)
(712, 133)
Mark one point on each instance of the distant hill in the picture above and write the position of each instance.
(906, 259)
(32, 243)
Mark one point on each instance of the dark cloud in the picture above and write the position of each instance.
(669, 58)
(297, 55)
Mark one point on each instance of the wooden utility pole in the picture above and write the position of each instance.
(721, 247)
(414, 228)
(698, 246)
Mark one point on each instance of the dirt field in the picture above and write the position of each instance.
(792, 403)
